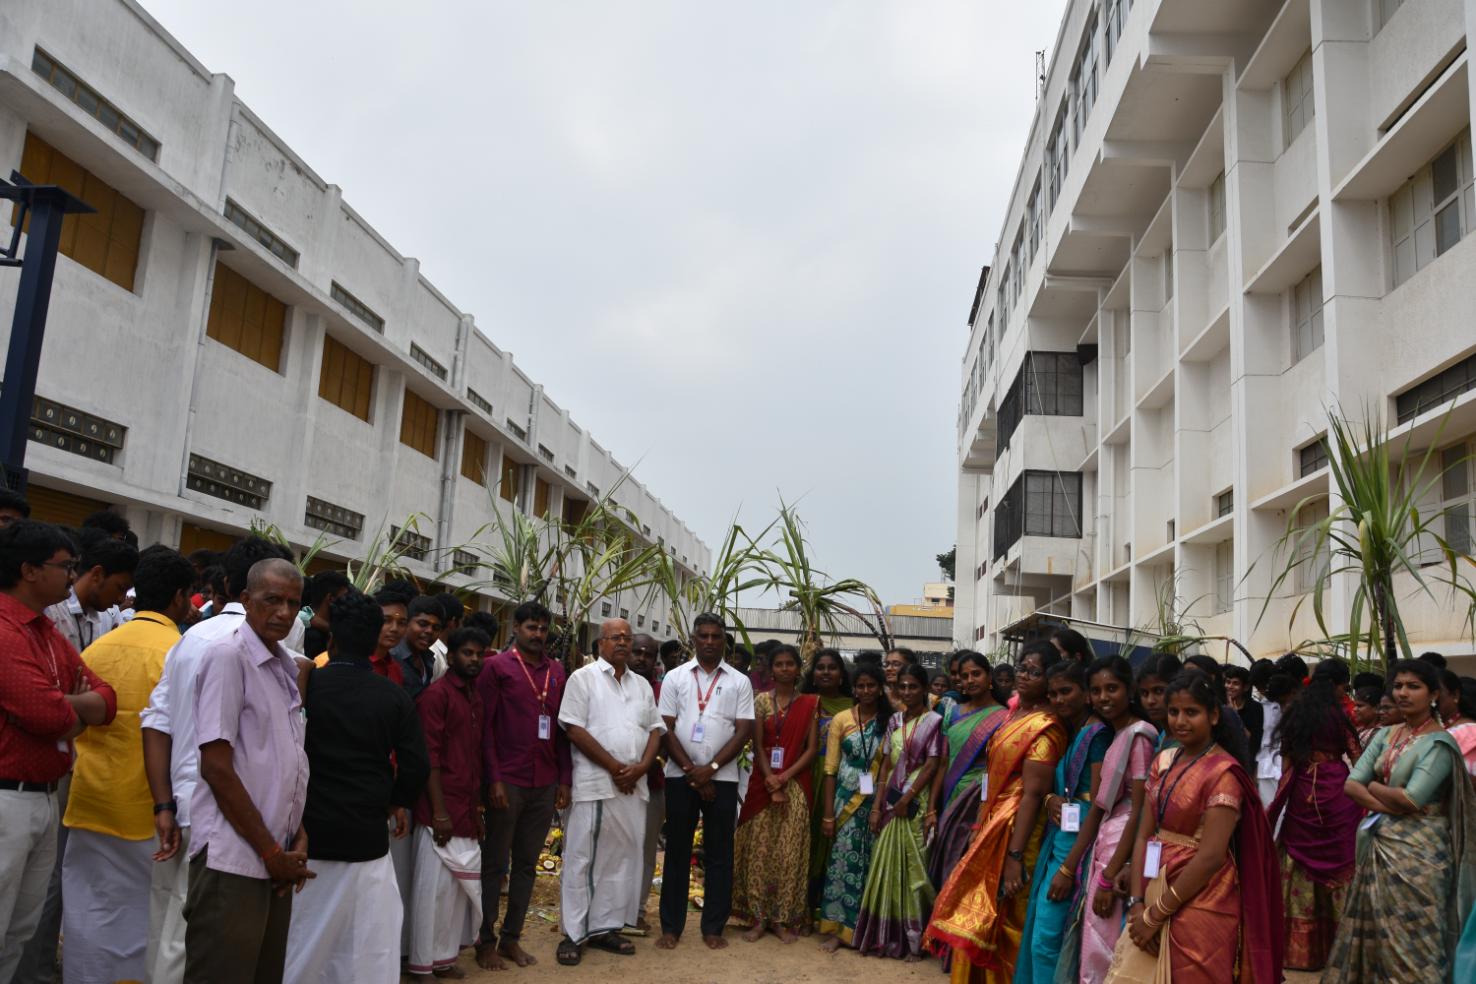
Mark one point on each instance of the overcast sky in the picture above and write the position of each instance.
(738, 242)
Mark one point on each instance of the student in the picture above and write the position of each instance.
(1198, 909)
(771, 847)
(366, 758)
(105, 576)
(898, 898)
(1154, 675)
(830, 681)
(967, 727)
(448, 816)
(1366, 714)
(852, 752)
(1252, 715)
(417, 662)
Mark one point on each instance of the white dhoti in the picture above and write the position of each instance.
(402, 856)
(165, 961)
(447, 902)
(604, 853)
(346, 925)
(105, 921)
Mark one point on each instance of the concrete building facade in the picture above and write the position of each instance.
(1230, 220)
(230, 341)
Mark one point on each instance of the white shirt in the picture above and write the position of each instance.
(731, 702)
(619, 713)
(1268, 758)
(171, 707)
(81, 626)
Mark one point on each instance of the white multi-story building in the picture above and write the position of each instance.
(229, 341)
(1230, 217)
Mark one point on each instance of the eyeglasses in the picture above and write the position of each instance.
(1024, 670)
(617, 638)
(70, 566)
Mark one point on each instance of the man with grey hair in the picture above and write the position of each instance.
(610, 717)
(248, 849)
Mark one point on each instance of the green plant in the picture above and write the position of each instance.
(1373, 532)
(302, 558)
(735, 568)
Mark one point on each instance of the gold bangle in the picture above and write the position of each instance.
(1063, 870)
(1175, 893)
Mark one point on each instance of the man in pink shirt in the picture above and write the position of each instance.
(248, 847)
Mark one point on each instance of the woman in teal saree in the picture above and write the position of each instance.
(967, 727)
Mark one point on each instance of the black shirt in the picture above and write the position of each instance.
(357, 719)
(415, 667)
(1253, 716)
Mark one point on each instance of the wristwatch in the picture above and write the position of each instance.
(169, 805)
(1133, 900)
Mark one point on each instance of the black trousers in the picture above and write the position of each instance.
(515, 838)
(683, 807)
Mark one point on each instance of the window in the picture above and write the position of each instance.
(1084, 79)
(261, 234)
(321, 514)
(1217, 207)
(1312, 458)
(423, 357)
(105, 242)
(1297, 105)
(1314, 571)
(640, 621)
(1049, 384)
(465, 562)
(94, 105)
(1224, 576)
(473, 458)
(413, 545)
(1032, 221)
(545, 453)
(419, 421)
(574, 510)
(1455, 496)
(605, 609)
(507, 485)
(1052, 504)
(1436, 391)
(210, 477)
(1433, 211)
(1306, 310)
(1117, 11)
(345, 379)
(540, 498)
(1168, 274)
(1058, 157)
(1224, 503)
(521, 433)
(78, 432)
(246, 318)
(625, 614)
(1004, 296)
(479, 401)
(356, 307)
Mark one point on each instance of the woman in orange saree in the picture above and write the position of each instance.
(980, 912)
(1206, 903)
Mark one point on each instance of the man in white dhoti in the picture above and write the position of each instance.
(610, 717)
(366, 758)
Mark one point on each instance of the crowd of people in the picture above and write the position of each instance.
(213, 769)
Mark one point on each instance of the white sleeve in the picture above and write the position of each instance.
(668, 706)
(745, 700)
(574, 707)
(155, 716)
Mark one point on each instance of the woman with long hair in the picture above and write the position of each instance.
(1206, 896)
(1072, 645)
(1318, 822)
(1119, 800)
(830, 681)
(967, 728)
(852, 753)
(898, 897)
(1366, 715)
(1457, 706)
(1154, 675)
(1071, 829)
(771, 847)
(979, 916)
(1415, 876)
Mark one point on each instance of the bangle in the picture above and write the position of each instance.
(1148, 920)
(440, 819)
(1063, 870)
(1103, 883)
(1175, 893)
(271, 852)
(1015, 855)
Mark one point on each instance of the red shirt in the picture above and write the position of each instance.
(514, 753)
(386, 666)
(451, 717)
(38, 667)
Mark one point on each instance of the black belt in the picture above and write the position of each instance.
(28, 787)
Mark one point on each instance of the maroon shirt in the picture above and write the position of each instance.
(513, 752)
(451, 717)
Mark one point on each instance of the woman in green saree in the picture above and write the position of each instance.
(829, 680)
(967, 726)
(1415, 876)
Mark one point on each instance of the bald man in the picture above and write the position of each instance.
(610, 717)
(248, 849)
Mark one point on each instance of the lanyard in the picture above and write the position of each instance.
(702, 700)
(779, 719)
(87, 639)
(547, 674)
(867, 751)
(1164, 797)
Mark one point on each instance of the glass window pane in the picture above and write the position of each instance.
(1445, 175)
(1453, 481)
(1458, 528)
(1447, 227)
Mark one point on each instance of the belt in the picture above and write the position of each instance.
(28, 787)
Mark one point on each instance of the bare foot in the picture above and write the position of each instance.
(452, 973)
(785, 934)
(911, 958)
(753, 933)
(515, 953)
(830, 944)
(716, 942)
(642, 925)
(488, 958)
(667, 942)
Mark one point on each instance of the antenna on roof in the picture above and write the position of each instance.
(1040, 74)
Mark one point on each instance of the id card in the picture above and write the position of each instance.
(1152, 858)
(984, 788)
(776, 758)
(698, 731)
(868, 786)
(545, 727)
(1370, 821)
(1070, 818)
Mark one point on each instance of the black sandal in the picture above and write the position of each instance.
(614, 943)
(569, 953)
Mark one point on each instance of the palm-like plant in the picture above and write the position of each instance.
(735, 568)
(1375, 532)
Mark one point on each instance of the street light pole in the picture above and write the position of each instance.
(46, 206)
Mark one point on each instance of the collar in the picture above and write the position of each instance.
(74, 604)
(18, 612)
(156, 618)
(605, 666)
(518, 655)
(233, 608)
(458, 682)
(722, 667)
(261, 651)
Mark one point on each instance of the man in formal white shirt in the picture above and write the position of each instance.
(172, 762)
(610, 717)
(708, 710)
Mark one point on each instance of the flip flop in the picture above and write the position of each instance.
(614, 943)
(569, 954)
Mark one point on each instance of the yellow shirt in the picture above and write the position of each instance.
(110, 793)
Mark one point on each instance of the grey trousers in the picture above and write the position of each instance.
(515, 838)
(28, 824)
(655, 817)
(38, 959)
